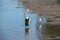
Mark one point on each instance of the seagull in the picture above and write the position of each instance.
(40, 19)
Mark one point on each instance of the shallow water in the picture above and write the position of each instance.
(12, 23)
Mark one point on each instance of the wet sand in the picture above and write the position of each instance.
(51, 11)
(49, 8)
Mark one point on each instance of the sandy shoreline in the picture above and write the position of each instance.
(49, 10)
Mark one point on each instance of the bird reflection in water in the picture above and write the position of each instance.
(27, 30)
